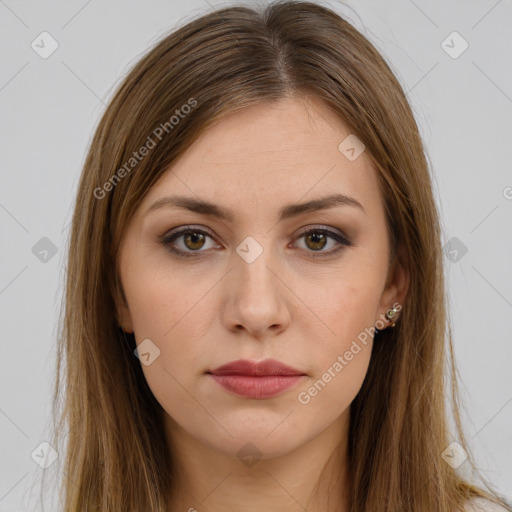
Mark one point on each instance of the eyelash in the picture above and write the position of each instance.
(167, 240)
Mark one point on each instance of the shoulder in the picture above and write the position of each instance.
(483, 505)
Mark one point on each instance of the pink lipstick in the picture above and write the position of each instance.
(263, 379)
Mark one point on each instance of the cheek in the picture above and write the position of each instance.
(339, 312)
(342, 354)
(343, 337)
(175, 311)
(162, 301)
(171, 310)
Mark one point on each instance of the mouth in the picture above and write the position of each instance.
(257, 380)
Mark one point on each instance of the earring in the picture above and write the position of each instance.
(390, 314)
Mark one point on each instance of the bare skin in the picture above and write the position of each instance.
(215, 307)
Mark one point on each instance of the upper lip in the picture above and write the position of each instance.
(255, 368)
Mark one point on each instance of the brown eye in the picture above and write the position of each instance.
(187, 242)
(193, 240)
(316, 241)
(190, 242)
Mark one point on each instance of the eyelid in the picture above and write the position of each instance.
(326, 229)
(187, 227)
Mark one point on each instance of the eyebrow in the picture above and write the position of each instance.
(287, 212)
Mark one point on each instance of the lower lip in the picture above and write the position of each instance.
(257, 387)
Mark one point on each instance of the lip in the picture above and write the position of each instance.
(259, 380)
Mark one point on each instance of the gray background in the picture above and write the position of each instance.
(50, 107)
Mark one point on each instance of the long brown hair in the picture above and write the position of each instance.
(116, 455)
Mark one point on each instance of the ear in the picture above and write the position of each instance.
(397, 284)
(124, 317)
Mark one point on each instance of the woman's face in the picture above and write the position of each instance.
(251, 285)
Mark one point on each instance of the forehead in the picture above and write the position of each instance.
(269, 155)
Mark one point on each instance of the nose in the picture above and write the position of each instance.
(257, 297)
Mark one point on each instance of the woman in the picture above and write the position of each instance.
(255, 306)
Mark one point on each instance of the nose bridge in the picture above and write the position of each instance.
(256, 300)
(255, 259)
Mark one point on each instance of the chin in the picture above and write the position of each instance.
(250, 447)
(267, 439)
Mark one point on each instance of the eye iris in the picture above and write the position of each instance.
(194, 238)
(315, 237)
